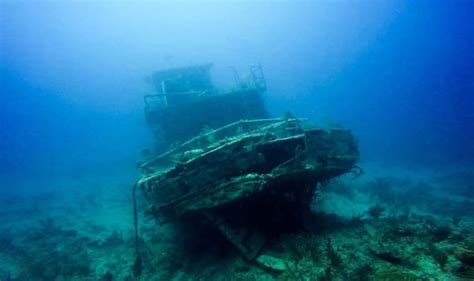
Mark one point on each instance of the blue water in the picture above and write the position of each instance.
(399, 74)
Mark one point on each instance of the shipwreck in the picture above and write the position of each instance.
(222, 162)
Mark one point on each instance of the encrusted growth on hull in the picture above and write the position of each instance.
(247, 179)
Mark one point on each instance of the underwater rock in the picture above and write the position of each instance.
(440, 256)
(465, 256)
(465, 272)
(388, 256)
(402, 230)
(137, 267)
(396, 275)
(108, 276)
(55, 265)
(376, 211)
(362, 272)
(241, 266)
(272, 263)
(440, 233)
(333, 255)
(114, 239)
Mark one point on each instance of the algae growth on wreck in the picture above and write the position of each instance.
(236, 141)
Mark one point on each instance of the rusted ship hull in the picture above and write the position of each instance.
(247, 179)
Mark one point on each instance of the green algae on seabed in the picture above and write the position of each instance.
(397, 275)
(434, 245)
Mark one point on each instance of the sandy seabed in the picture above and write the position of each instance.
(389, 224)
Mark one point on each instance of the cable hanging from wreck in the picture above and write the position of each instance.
(137, 265)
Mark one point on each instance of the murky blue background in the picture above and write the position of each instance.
(73, 74)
